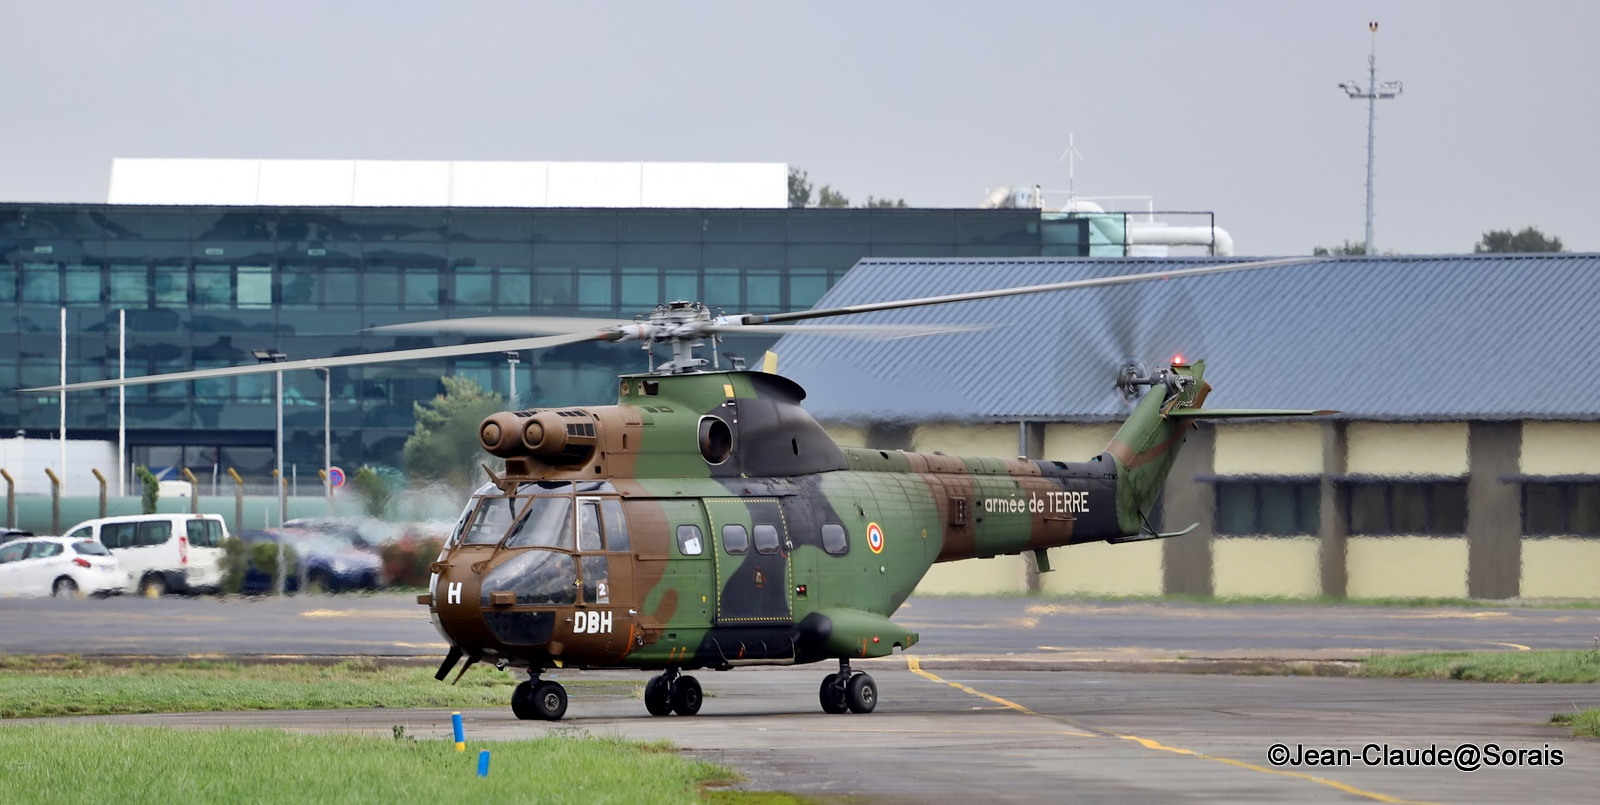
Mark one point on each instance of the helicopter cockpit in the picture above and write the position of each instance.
(542, 545)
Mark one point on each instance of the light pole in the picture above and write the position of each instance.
(1374, 93)
(327, 431)
(274, 356)
(512, 359)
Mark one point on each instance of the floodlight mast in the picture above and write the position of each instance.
(1374, 93)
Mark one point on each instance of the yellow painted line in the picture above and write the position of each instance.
(1517, 646)
(408, 614)
(1042, 733)
(916, 668)
(1348, 789)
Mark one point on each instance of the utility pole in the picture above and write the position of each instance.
(1374, 93)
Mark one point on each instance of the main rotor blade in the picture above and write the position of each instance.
(501, 325)
(1094, 282)
(864, 330)
(346, 360)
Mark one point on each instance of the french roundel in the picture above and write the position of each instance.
(875, 537)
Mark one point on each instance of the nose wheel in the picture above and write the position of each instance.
(540, 700)
(848, 690)
(668, 692)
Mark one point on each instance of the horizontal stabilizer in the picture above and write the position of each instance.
(1149, 535)
(1239, 413)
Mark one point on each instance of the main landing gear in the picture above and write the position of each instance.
(539, 699)
(668, 692)
(848, 690)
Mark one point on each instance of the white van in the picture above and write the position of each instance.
(163, 552)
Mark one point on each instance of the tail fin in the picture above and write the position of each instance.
(1147, 444)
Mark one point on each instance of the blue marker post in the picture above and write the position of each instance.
(483, 763)
(461, 734)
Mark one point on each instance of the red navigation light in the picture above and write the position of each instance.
(1177, 360)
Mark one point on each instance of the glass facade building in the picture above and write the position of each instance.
(205, 286)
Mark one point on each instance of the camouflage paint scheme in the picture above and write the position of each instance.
(713, 492)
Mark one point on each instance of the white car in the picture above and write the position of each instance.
(60, 566)
(179, 553)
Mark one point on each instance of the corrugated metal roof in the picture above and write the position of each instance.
(1413, 337)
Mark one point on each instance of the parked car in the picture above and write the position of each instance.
(60, 566)
(325, 562)
(163, 552)
(9, 534)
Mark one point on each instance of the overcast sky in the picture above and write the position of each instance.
(1232, 107)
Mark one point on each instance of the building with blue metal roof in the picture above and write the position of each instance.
(1465, 460)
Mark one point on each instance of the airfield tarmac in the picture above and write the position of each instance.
(1005, 699)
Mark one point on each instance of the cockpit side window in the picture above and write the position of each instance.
(547, 524)
(588, 524)
(616, 526)
(490, 523)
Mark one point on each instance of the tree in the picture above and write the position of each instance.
(1530, 239)
(444, 445)
(799, 188)
(884, 202)
(1345, 248)
(828, 197)
(152, 489)
(376, 490)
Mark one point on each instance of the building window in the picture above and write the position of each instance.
(1407, 507)
(1565, 508)
(1278, 507)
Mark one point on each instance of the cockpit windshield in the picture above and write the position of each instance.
(489, 523)
(548, 524)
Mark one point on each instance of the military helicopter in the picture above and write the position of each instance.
(707, 521)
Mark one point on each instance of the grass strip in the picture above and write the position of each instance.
(37, 687)
(1585, 723)
(1490, 666)
(109, 763)
(1501, 666)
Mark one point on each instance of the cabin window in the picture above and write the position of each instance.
(689, 543)
(834, 539)
(766, 539)
(735, 540)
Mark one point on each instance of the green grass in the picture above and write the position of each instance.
(1584, 723)
(1581, 666)
(55, 686)
(105, 763)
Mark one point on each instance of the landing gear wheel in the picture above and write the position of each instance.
(153, 586)
(522, 701)
(64, 588)
(686, 696)
(658, 695)
(549, 700)
(861, 694)
(832, 695)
